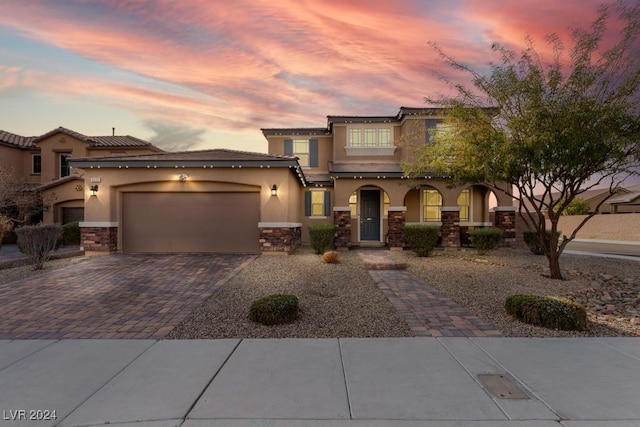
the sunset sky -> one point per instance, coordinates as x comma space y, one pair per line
197, 74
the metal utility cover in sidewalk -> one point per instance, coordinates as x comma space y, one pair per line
502, 387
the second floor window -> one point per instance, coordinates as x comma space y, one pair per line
370, 137
301, 151
36, 164
65, 168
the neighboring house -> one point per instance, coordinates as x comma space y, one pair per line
44, 161
623, 200
347, 173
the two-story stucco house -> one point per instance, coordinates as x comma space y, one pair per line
347, 173
44, 162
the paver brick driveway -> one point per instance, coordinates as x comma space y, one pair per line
113, 296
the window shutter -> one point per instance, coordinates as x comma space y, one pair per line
307, 203
327, 203
288, 147
430, 124
313, 153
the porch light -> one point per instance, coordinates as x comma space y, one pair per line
274, 190
183, 177
93, 190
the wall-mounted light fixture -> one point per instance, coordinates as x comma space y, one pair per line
274, 190
183, 177
93, 189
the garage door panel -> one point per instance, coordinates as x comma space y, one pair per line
191, 222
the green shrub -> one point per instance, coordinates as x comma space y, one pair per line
486, 238
38, 241
531, 240
321, 236
421, 238
71, 233
547, 311
5, 226
275, 309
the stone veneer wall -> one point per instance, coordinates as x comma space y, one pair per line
342, 221
506, 221
280, 239
99, 239
396, 220
450, 228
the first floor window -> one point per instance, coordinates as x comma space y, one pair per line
317, 203
65, 168
36, 164
353, 203
463, 203
432, 205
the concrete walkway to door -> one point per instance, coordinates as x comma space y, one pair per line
113, 296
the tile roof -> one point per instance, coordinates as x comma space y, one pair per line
93, 141
364, 167
625, 198
16, 140
56, 182
218, 154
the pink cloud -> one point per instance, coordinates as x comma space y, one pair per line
259, 63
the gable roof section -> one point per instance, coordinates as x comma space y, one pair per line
59, 181
215, 158
629, 198
99, 141
15, 140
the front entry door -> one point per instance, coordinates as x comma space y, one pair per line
370, 215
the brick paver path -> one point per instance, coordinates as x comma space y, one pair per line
429, 312
113, 296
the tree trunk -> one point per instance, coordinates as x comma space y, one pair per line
553, 252
554, 264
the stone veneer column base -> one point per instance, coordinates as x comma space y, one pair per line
342, 221
505, 219
450, 227
99, 239
279, 238
396, 220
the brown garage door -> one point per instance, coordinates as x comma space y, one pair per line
190, 222
72, 215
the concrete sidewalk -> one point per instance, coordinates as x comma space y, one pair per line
433, 382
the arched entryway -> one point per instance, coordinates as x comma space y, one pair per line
369, 207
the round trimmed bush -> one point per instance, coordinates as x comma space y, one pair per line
547, 311
421, 238
275, 309
486, 238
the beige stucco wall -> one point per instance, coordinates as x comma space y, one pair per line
14, 159
68, 194
106, 205
325, 149
603, 227
52, 147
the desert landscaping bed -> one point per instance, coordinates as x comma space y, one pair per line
342, 300
607, 287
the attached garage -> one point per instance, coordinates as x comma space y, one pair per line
190, 222
209, 201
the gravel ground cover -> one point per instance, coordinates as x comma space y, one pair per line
608, 288
336, 300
